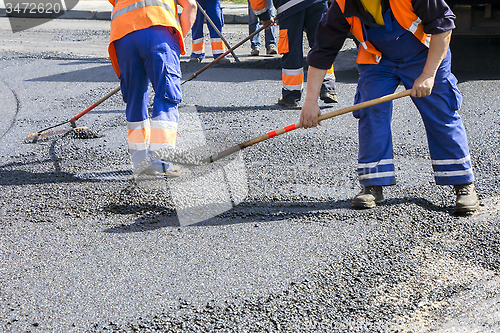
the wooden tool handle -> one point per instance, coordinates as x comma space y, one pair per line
289, 128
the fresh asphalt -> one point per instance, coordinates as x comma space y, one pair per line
83, 248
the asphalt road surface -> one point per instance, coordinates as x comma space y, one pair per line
83, 247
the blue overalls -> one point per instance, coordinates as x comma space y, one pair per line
403, 59
292, 62
150, 55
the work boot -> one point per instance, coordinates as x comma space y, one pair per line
328, 96
467, 201
368, 197
288, 102
271, 49
195, 59
173, 172
255, 52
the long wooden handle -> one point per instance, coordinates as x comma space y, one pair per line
289, 128
108, 95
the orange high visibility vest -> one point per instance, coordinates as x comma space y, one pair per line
404, 14
132, 15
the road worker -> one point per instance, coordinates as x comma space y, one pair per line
295, 17
401, 41
214, 11
146, 42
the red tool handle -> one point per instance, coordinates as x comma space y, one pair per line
289, 128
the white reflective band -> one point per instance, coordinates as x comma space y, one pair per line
158, 146
364, 45
451, 162
163, 124
330, 76
377, 175
414, 25
197, 41
297, 71
263, 10
141, 4
288, 5
377, 58
453, 173
199, 52
374, 164
427, 40
215, 40
134, 125
134, 146
292, 87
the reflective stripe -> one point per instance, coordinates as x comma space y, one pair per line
158, 146
453, 173
217, 47
135, 146
330, 77
141, 4
292, 78
414, 25
132, 125
198, 40
374, 164
427, 41
198, 47
261, 7
292, 87
297, 71
288, 5
139, 135
377, 175
164, 124
450, 162
364, 45
163, 136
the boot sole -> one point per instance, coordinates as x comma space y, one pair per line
363, 205
466, 209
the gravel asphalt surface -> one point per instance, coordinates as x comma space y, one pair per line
84, 248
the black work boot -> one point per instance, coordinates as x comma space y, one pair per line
328, 95
368, 197
467, 201
289, 103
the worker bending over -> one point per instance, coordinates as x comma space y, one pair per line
146, 42
294, 17
403, 41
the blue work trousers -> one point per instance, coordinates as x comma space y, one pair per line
253, 25
446, 136
145, 55
214, 11
292, 63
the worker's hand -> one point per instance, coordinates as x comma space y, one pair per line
423, 85
309, 114
271, 21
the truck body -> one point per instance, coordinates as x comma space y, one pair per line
476, 17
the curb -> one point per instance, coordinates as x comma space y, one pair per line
232, 15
